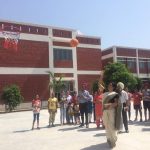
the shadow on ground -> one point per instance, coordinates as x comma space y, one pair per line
89, 129
22, 131
27, 130
102, 146
68, 129
146, 129
100, 134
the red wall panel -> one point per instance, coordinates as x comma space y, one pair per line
30, 85
89, 79
106, 61
63, 64
24, 28
30, 54
65, 44
86, 40
144, 53
62, 33
88, 59
126, 52
108, 51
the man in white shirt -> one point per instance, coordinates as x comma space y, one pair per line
123, 95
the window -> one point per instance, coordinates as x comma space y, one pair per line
142, 63
122, 60
131, 63
148, 63
62, 54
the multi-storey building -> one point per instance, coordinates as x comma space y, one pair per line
45, 48
137, 60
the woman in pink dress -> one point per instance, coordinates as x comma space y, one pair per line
98, 106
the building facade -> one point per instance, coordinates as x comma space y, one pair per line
45, 48
137, 60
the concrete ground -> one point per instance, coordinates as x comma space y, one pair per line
16, 134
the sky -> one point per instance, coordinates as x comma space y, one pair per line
116, 22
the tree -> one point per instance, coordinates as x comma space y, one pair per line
55, 85
139, 83
95, 86
12, 96
117, 72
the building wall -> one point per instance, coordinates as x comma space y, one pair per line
28, 66
106, 62
89, 79
126, 52
23, 28
144, 53
107, 52
107, 57
30, 85
137, 60
29, 54
63, 64
61, 33
88, 59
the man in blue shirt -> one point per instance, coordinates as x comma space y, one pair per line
83, 98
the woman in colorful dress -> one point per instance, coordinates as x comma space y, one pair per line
111, 114
98, 106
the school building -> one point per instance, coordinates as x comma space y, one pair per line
137, 60
45, 48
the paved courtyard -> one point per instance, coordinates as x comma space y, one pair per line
16, 134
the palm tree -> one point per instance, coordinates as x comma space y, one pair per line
55, 85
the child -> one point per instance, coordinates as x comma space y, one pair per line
76, 113
70, 113
36, 105
137, 97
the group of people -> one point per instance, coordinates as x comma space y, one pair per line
110, 108
137, 96
74, 108
116, 103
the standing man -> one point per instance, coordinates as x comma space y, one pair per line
90, 108
146, 101
123, 96
83, 98
129, 100
52, 109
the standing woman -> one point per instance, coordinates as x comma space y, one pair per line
69, 109
110, 103
52, 109
98, 105
63, 106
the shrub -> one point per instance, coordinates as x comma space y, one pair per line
12, 96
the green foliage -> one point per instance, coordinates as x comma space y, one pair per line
117, 72
55, 84
139, 83
95, 86
12, 96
